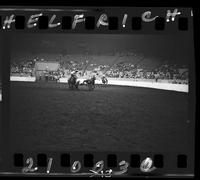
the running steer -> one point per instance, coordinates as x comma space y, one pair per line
90, 83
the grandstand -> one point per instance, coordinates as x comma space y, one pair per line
120, 58
117, 65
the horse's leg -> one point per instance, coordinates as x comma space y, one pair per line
69, 86
77, 84
89, 87
93, 86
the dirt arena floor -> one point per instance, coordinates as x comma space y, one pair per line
49, 116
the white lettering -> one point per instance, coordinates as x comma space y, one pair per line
32, 20
124, 20
103, 20
8, 21
51, 25
172, 14
77, 19
146, 17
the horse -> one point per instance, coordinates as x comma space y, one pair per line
73, 83
90, 83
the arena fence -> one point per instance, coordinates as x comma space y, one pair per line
19, 78
161, 84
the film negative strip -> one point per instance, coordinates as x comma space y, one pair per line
97, 91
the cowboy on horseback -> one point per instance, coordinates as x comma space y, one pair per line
72, 81
104, 79
74, 76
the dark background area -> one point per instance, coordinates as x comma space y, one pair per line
175, 48
49, 116
1, 49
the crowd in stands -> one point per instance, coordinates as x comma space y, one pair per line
23, 68
164, 70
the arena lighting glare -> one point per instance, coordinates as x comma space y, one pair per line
79, 18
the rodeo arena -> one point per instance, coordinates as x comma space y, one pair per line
96, 103
127, 70
96, 93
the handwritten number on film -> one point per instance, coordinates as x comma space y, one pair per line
29, 168
97, 170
